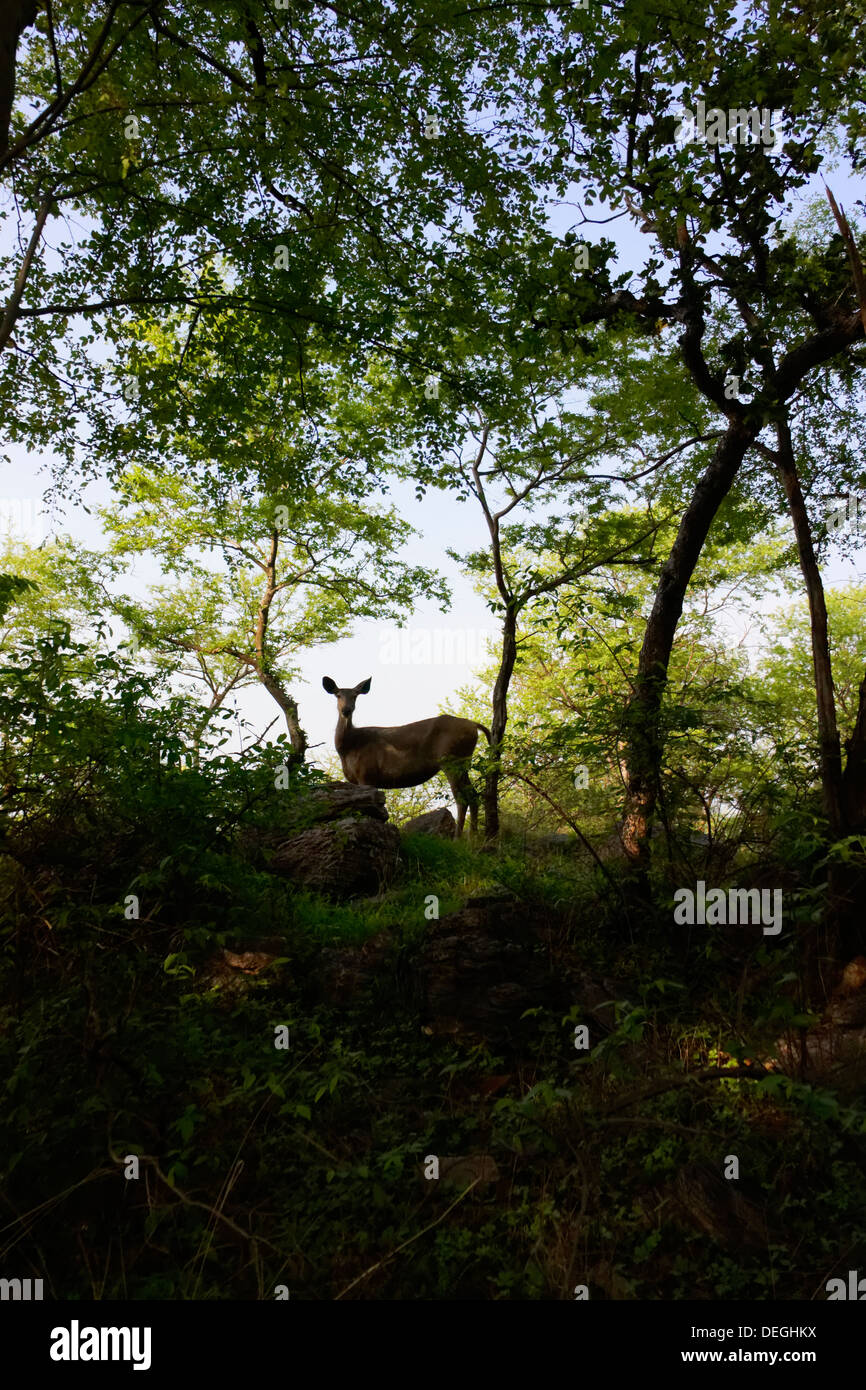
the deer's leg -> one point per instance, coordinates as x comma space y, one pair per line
470, 796
457, 783
465, 796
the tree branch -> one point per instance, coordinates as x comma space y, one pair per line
12, 308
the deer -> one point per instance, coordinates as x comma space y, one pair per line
405, 755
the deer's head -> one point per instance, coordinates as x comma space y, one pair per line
346, 698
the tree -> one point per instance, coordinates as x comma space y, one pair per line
541, 465
788, 665
55, 583
318, 158
297, 569
709, 207
567, 745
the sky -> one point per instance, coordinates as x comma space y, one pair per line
416, 671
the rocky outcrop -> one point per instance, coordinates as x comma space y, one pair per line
439, 822
334, 800
345, 973
340, 859
333, 839
481, 967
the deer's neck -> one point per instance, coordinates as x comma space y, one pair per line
345, 734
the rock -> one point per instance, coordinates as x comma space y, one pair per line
345, 972
559, 843
333, 838
847, 1004
319, 805
834, 1049
334, 800
481, 967
439, 822
468, 1169
340, 859
835, 1055
234, 973
252, 962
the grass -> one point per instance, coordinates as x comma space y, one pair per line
106, 1052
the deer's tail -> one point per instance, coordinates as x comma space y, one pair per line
485, 731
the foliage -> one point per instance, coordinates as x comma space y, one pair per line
117, 1041
263, 268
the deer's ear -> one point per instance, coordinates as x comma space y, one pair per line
364, 687
329, 685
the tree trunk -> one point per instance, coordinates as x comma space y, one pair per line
290, 710
265, 674
847, 879
499, 722
828, 729
854, 778
644, 752
15, 17
844, 794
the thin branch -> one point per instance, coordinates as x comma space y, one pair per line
857, 272
756, 1073
11, 312
184, 1197
385, 1258
52, 39
205, 57
662, 459
521, 777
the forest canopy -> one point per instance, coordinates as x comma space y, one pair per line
314, 320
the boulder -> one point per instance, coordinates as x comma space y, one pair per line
333, 838
340, 859
343, 973
481, 967
233, 974
439, 822
559, 843
334, 800
328, 801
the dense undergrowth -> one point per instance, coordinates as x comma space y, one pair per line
302, 1167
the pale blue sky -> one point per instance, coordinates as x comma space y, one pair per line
409, 682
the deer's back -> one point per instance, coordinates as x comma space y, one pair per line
405, 755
